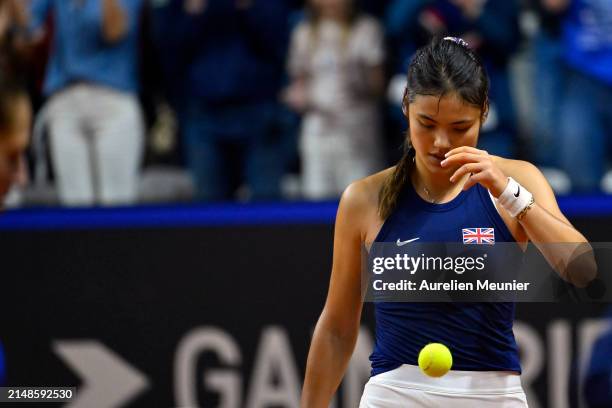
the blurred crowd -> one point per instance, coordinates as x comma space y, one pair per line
209, 100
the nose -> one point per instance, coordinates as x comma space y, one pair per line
441, 140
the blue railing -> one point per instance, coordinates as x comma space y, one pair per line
224, 215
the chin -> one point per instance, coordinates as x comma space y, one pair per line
433, 164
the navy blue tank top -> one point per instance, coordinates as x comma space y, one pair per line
479, 335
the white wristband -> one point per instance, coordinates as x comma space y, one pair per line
515, 197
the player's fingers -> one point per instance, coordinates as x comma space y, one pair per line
466, 168
466, 149
476, 178
462, 158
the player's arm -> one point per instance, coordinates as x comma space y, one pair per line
336, 331
564, 247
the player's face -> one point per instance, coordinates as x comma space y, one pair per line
438, 125
13, 143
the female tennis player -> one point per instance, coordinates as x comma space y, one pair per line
442, 184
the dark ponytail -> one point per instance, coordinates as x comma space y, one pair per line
446, 65
392, 187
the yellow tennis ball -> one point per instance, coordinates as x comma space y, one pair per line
435, 360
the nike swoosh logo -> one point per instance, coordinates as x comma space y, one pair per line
518, 191
400, 243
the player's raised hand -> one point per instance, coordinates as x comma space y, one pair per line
481, 166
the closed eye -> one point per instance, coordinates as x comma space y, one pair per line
426, 126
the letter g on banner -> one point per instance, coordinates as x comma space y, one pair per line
226, 382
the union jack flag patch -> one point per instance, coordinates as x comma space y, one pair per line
482, 236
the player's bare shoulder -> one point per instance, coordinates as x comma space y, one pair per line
361, 199
365, 192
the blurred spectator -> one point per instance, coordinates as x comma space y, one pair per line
337, 78
94, 117
586, 119
15, 120
18, 55
13, 20
223, 63
548, 81
490, 27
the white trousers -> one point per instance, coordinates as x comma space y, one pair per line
406, 386
96, 142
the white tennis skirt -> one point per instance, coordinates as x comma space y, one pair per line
407, 386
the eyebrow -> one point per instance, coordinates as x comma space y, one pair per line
457, 122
